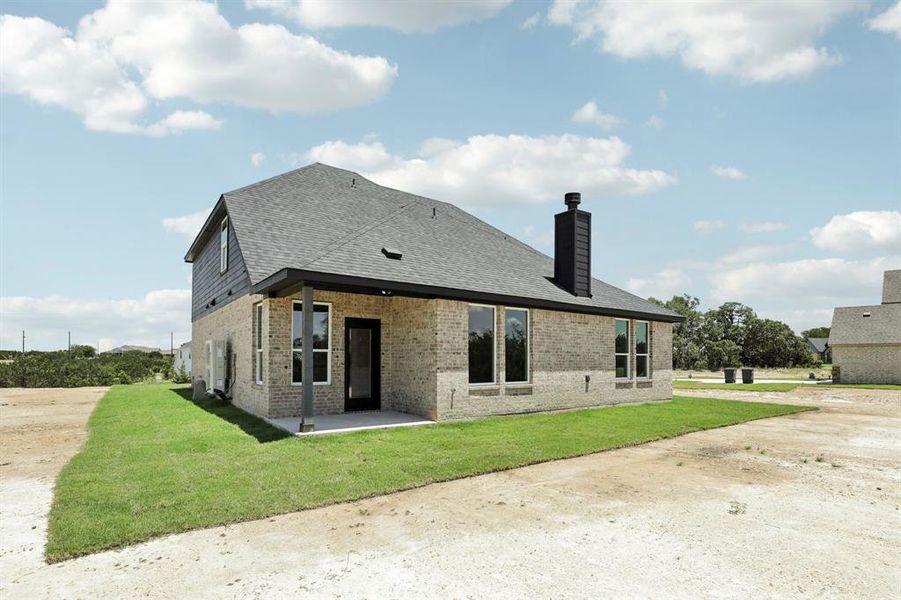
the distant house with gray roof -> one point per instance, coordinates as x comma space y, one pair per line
819, 347
318, 291
132, 348
866, 340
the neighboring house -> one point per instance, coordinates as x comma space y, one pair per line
409, 304
866, 340
819, 347
181, 360
131, 348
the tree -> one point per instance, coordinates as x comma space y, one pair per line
732, 318
770, 343
723, 353
816, 332
687, 341
82, 351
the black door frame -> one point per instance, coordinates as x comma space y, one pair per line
374, 402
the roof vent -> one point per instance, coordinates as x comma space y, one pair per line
392, 253
866, 314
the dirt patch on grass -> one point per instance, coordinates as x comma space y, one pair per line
741, 511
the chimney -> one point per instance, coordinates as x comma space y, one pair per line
572, 247
891, 287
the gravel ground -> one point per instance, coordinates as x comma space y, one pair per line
733, 512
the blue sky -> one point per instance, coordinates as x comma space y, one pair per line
745, 152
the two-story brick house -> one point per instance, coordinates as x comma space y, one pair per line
409, 304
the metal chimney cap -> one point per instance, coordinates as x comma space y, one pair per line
572, 200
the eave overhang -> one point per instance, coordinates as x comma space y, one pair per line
287, 281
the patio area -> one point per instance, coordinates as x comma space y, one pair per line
352, 421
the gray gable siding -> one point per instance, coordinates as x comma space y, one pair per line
207, 283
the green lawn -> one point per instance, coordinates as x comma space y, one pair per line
747, 387
775, 387
156, 462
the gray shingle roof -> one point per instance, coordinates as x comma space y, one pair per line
882, 326
328, 220
817, 344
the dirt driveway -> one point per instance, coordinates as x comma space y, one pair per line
799, 506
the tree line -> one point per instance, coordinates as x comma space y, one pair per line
80, 366
733, 336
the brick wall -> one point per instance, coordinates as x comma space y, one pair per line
868, 363
234, 324
407, 353
563, 349
424, 361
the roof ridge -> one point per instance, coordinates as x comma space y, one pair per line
268, 179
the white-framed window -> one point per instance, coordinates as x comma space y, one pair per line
621, 349
642, 349
322, 343
223, 245
516, 345
258, 342
482, 346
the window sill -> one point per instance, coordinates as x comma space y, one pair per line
315, 383
484, 390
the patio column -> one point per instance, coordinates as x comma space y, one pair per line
306, 418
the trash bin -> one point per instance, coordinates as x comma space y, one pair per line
730, 374
747, 375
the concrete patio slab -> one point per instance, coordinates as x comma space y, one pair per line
352, 421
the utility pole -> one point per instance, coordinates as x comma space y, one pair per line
171, 343
23, 342
70, 344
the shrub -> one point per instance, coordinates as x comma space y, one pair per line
57, 369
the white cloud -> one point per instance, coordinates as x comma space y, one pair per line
708, 226
126, 54
762, 227
409, 16
186, 225
183, 120
257, 158
800, 319
491, 170
654, 122
531, 22
859, 231
144, 321
753, 41
888, 21
663, 285
590, 113
751, 253
803, 282
727, 172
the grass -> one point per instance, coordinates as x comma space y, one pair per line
799, 373
156, 462
747, 387
775, 387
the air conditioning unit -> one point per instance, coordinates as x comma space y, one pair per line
219, 366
